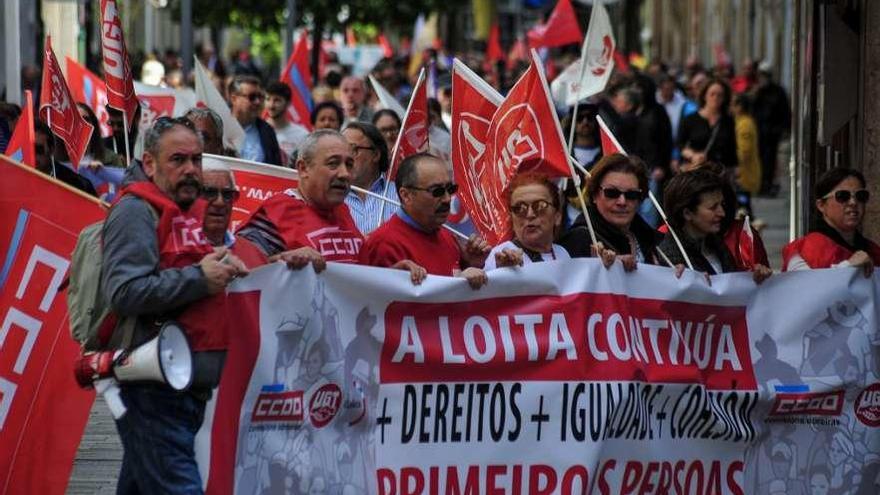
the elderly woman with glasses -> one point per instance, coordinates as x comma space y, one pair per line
534, 204
841, 198
616, 188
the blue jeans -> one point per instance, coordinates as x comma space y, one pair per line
158, 434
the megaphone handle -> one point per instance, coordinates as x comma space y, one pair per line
109, 389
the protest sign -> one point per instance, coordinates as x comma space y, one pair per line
558, 377
43, 412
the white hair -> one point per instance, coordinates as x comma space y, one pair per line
211, 164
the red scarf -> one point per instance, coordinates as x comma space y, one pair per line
182, 243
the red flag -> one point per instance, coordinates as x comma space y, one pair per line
524, 134
298, 77
387, 50
117, 70
87, 87
21, 144
43, 412
561, 28
609, 142
494, 52
413, 136
474, 103
519, 51
57, 108
746, 245
620, 62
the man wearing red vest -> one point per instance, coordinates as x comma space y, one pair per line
157, 265
415, 232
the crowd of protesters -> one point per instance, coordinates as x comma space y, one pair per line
702, 141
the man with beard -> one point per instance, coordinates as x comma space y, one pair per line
415, 233
289, 135
157, 265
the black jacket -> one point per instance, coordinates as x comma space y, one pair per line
692, 247
269, 142
576, 240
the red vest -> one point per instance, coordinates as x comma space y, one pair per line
182, 243
820, 251
332, 233
437, 252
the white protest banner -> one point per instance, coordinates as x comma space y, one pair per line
558, 377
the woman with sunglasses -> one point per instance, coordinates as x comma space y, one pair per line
695, 206
533, 202
841, 198
617, 187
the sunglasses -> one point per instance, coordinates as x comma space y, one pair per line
439, 190
253, 97
228, 194
522, 209
843, 196
614, 193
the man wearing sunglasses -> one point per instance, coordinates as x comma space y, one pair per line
157, 265
246, 99
415, 232
220, 193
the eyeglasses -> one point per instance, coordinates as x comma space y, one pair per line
614, 193
522, 209
439, 190
843, 196
228, 194
253, 97
357, 149
389, 131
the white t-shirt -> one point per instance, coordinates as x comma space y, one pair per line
558, 253
289, 138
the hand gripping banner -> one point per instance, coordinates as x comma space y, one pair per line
559, 377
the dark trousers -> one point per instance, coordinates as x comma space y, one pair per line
768, 148
158, 434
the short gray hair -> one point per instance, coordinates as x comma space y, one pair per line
309, 146
199, 113
160, 127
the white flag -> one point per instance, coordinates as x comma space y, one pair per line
207, 95
386, 99
577, 82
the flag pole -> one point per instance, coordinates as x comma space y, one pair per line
395, 203
651, 196
396, 150
125, 129
51, 156
574, 177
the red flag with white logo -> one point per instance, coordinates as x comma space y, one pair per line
21, 143
43, 412
59, 111
474, 102
413, 136
88, 88
561, 28
117, 69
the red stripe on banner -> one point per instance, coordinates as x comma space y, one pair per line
591, 337
240, 359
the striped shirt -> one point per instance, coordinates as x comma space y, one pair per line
366, 211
